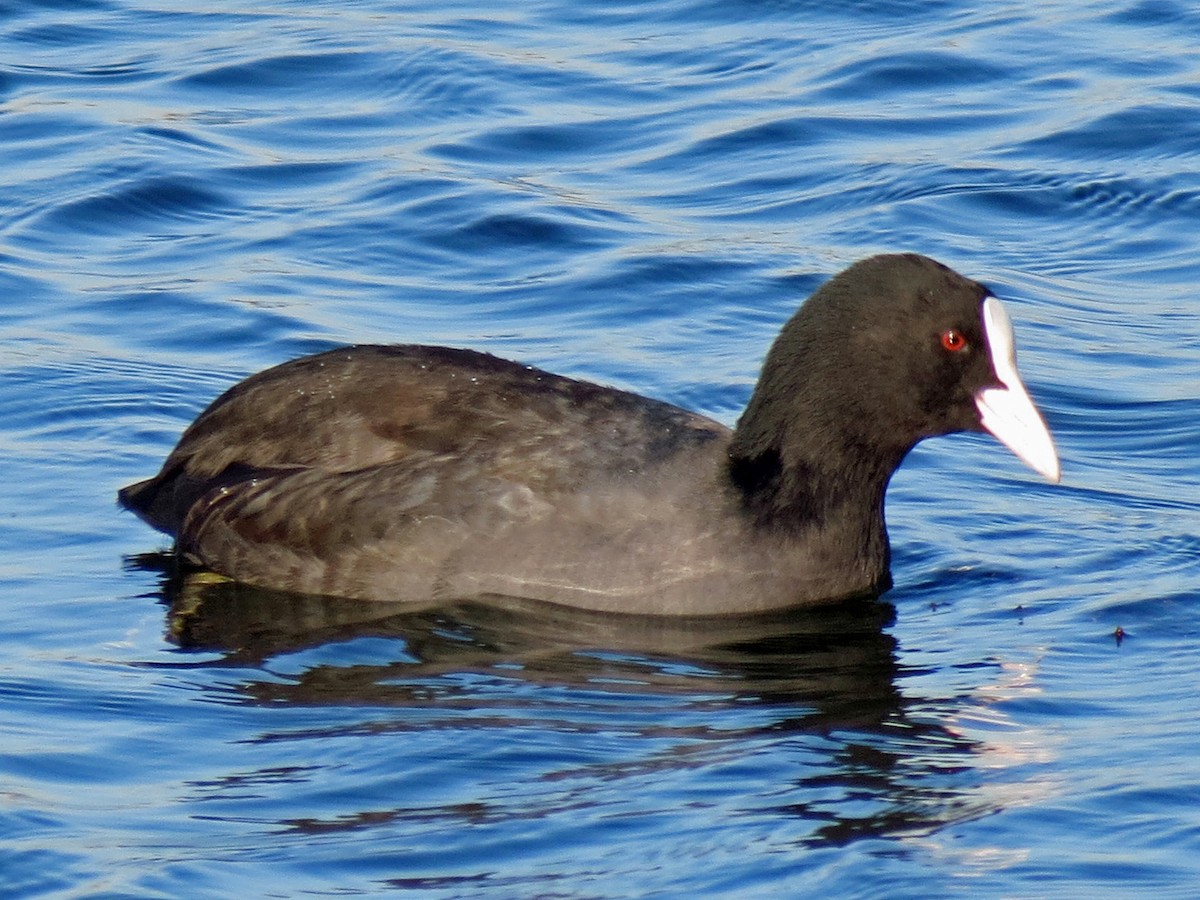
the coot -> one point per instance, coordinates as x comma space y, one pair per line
424, 473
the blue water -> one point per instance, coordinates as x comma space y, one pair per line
638, 193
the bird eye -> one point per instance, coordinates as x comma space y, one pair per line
953, 340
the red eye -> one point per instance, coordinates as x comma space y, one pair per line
954, 341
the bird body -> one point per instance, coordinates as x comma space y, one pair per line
415, 473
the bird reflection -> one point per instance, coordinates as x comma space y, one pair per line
829, 673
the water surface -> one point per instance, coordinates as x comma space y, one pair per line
638, 193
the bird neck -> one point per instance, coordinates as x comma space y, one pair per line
809, 472
796, 493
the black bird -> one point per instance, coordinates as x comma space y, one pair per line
424, 473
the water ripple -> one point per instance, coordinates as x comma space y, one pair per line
154, 201
1150, 133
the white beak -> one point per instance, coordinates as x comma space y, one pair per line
1007, 411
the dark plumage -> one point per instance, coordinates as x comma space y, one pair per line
418, 473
